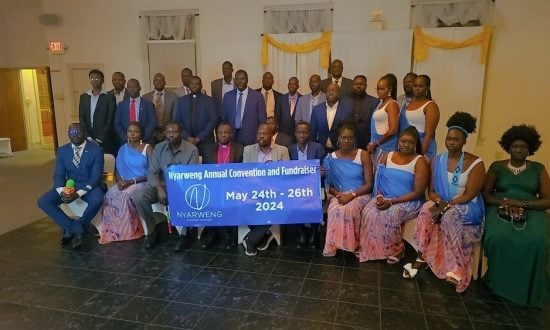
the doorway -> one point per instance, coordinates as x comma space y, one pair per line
28, 116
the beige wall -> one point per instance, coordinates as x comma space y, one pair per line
4, 61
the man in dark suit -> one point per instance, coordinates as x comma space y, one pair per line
96, 112
222, 152
219, 87
278, 137
326, 117
305, 149
135, 108
119, 87
363, 107
345, 84
164, 101
196, 114
82, 162
286, 106
271, 96
244, 109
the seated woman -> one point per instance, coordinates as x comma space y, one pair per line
423, 113
349, 178
516, 243
385, 119
399, 185
120, 218
451, 222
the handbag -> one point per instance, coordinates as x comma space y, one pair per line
502, 213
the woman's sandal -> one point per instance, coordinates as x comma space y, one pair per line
410, 272
453, 278
396, 258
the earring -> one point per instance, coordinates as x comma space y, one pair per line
338, 144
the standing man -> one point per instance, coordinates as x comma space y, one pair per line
219, 87
119, 90
305, 149
305, 104
278, 137
164, 101
244, 109
263, 151
82, 162
196, 114
270, 95
135, 108
345, 84
173, 151
326, 118
96, 112
286, 108
186, 75
405, 99
363, 107
223, 152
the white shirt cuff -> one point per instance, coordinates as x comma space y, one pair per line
81, 192
59, 190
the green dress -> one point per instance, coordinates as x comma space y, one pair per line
518, 260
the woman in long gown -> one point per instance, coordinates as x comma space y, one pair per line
451, 222
399, 185
516, 243
349, 178
120, 218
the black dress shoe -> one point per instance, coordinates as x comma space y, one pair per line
77, 241
182, 244
151, 240
65, 240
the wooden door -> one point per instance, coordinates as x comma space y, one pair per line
12, 118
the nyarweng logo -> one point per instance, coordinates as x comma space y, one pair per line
197, 196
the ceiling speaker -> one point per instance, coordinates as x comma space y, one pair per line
49, 19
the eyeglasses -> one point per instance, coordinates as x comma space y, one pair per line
73, 132
95, 79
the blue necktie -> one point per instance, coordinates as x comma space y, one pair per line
238, 120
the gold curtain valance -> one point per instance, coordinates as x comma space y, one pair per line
323, 44
422, 42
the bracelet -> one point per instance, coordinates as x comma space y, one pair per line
525, 204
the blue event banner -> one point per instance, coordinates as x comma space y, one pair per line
283, 192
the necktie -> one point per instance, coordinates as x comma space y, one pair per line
266, 96
76, 156
158, 107
337, 82
238, 119
133, 110
292, 105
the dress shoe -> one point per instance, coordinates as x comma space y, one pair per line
76, 242
151, 240
182, 244
65, 240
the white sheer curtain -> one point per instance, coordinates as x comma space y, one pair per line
457, 78
178, 27
298, 21
284, 65
373, 53
430, 13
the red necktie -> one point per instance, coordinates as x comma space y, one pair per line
133, 110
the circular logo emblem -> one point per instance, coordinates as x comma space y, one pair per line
197, 196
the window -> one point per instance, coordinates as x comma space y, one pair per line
310, 18
450, 13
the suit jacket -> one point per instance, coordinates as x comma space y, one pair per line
210, 154
168, 106
89, 173
103, 121
346, 86
217, 90
276, 96
319, 125
314, 151
283, 116
278, 153
254, 115
283, 139
112, 93
303, 110
205, 117
362, 114
146, 117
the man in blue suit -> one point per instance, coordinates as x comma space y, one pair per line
244, 109
82, 162
135, 108
327, 116
286, 108
196, 113
305, 149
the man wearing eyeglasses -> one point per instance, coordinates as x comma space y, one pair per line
81, 162
96, 111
